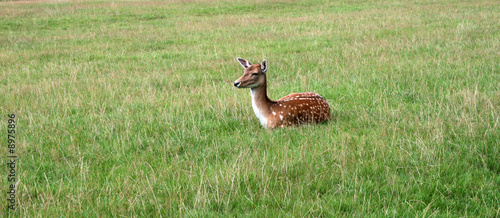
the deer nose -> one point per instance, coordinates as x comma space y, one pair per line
236, 84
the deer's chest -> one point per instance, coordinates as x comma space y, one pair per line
259, 112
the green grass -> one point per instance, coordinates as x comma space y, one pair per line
126, 108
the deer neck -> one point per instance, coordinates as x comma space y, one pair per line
261, 104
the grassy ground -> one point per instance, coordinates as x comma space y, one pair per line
127, 108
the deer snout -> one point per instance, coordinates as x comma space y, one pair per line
237, 84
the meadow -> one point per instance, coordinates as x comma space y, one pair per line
127, 108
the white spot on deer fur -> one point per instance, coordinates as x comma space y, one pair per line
281, 117
289, 113
274, 113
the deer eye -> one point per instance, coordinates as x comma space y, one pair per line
255, 74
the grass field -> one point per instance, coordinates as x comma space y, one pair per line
126, 108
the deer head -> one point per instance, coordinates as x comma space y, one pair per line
254, 75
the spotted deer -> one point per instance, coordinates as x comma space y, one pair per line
293, 109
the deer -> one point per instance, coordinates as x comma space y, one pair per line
291, 110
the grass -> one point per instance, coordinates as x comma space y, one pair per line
126, 108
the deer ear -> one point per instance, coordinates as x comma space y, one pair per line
263, 66
244, 63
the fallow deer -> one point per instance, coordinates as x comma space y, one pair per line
293, 109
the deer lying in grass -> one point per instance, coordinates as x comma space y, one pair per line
293, 109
